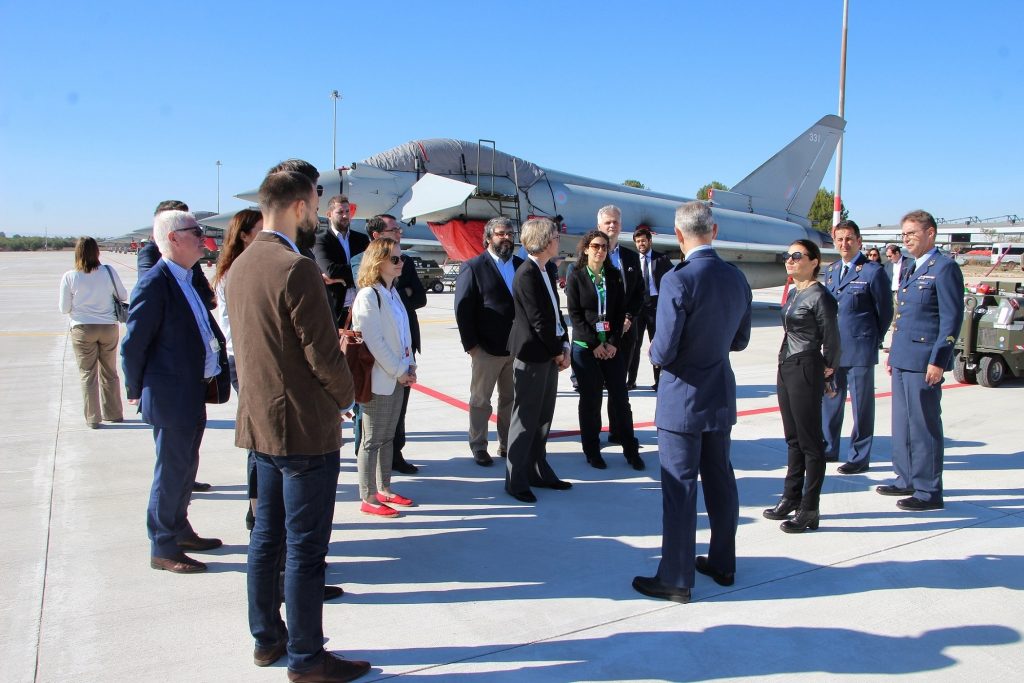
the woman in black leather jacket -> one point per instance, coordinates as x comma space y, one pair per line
808, 357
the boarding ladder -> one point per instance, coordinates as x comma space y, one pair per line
502, 204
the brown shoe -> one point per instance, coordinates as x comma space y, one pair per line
199, 543
179, 564
331, 668
267, 656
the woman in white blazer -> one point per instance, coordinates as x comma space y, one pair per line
378, 312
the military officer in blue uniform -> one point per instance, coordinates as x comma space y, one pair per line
929, 312
864, 294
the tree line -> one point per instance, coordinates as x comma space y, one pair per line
35, 243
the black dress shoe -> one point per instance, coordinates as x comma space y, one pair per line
804, 519
853, 468
630, 386
482, 458
179, 564
831, 458
614, 438
889, 490
597, 462
502, 452
201, 486
403, 467
917, 505
652, 588
524, 496
200, 544
721, 578
781, 509
636, 462
267, 656
333, 592
557, 485
330, 669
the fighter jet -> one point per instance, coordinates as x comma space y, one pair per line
447, 189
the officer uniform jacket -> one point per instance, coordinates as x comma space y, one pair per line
929, 312
865, 309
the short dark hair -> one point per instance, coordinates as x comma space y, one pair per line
281, 189
642, 231
297, 166
848, 225
335, 200
170, 205
813, 252
386, 215
922, 218
375, 224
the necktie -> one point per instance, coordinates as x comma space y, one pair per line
647, 276
909, 271
846, 269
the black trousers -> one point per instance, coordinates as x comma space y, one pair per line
801, 385
643, 322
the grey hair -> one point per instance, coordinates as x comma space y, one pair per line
167, 222
537, 234
609, 210
494, 224
694, 219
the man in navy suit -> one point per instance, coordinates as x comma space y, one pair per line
149, 254
334, 248
172, 352
653, 266
484, 312
929, 312
864, 295
609, 221
703, 314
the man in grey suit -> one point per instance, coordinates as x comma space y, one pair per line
703, 314
484, 312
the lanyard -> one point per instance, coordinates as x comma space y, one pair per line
599, 287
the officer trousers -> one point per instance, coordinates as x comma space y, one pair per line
859, 381
917, 445
801, 385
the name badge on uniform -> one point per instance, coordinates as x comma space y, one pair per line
602, 326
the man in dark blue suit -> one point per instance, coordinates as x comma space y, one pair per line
929, 312
703, 314
174, 359
149, 255
863, 292
484, 312
653, 266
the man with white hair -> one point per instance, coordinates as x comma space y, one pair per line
174, 361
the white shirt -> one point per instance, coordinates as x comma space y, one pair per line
896, 268
647, 263
350, 293
89, 297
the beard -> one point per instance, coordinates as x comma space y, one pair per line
305, 233
503, 249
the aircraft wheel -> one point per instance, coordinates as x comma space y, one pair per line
991, 371
960, 372
437, 287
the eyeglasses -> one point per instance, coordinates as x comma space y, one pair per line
196, 230
597, 246
908, 235
395, 260
319, 190
502, 234
397, 229
795, 256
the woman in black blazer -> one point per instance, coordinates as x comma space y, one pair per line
597, 308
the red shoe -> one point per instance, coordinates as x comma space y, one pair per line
394, 499
378, 510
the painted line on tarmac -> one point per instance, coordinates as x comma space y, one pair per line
462, 405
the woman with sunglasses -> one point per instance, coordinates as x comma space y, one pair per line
874, 255
809, 356
378, 312
597, 307
242, 231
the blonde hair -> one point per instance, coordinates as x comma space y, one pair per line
373, 259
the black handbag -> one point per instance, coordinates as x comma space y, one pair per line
120, 307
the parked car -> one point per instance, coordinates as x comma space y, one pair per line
430, 274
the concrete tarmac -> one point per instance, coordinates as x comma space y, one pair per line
472, 585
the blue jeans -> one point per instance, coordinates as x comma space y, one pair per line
295, 510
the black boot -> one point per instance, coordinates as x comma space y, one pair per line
805, 519
781, 509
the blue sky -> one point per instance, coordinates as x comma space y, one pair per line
108, 108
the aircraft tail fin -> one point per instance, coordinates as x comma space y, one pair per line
785, 186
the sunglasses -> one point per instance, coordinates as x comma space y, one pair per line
395, 260
319, 190
597, 246
195, 230
796, 256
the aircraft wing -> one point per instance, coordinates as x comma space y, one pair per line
433, 193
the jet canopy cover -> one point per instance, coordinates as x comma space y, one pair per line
458, 158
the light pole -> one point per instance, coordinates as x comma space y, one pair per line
837, 207
335, 95
218, 185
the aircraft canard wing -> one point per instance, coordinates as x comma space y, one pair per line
433, 194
